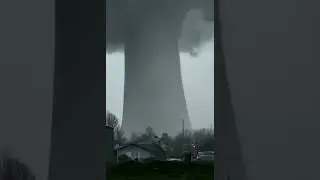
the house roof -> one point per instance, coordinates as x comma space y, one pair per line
151, 147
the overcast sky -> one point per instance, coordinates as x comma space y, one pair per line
197, 76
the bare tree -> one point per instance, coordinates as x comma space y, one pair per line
112, 120
201, 140
134, 137
119, 135
149, 132
13, 169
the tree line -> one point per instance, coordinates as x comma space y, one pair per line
196, 140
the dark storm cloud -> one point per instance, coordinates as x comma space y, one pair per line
194, 17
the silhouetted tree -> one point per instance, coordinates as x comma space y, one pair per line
202, 139
149, 132
112, 120
166, 139
134, 136
208, 143
166, 142
13, 169
119, 135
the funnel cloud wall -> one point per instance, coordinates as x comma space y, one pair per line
153, 92
152, 34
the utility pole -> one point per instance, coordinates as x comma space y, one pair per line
183, 140
183, 128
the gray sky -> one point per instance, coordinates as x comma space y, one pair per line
197, 76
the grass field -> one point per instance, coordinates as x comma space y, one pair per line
161, 171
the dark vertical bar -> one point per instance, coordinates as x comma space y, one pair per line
228, 161
79, 113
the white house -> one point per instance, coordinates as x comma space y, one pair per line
135, 152
142, 150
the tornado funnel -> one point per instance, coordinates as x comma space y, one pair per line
153, 90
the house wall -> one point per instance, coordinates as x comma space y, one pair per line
135, 152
